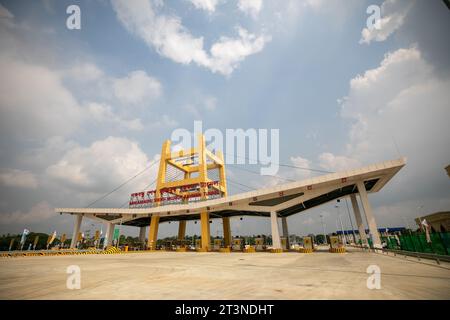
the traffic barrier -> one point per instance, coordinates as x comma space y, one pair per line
305, 250
338, 250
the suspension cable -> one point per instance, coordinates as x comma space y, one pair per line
124, 183
281, 164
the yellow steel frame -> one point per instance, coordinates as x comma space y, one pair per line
174, 159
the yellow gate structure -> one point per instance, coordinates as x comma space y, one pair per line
195, 185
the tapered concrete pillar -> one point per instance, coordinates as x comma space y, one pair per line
276, 242
359, 221
153, 232
285, 231
181, 229
142, 234
76, 230
226, 231
204, 220
373, 229
108, 235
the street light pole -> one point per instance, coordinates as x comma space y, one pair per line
323, 226
342, 226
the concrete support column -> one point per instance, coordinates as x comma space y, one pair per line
204, 220
76, 230
181, 229
108, 235
359, 221
226, 231
153, 232
142, 234
285, 231
373, 229
276, 242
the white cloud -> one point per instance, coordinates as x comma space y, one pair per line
393, 13
136, 88
330, 162
250, 7
172, 40
101, 166
207, 5
39, 212
33, 101
301, 163
102, 113
227, 53
18, 178
85, 72
402, 103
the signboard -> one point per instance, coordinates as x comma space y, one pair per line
116, 234
97, 235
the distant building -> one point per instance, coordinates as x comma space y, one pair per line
439, 221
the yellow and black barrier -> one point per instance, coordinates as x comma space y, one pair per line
338, 250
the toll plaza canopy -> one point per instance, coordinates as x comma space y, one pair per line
282, 200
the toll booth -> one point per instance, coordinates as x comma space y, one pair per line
237, 244
334, 242
217, 244
259, 244
335, 245
308, 243
198, 244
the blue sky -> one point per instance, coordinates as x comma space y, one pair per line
82, 110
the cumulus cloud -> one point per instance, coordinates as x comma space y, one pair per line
207, 5
100, 166
250, 7
171, 39
401, 108
35, 106
301, 163
331, 162
103, 114
39, 212
18, 178
86, 72
393, 13
136, 88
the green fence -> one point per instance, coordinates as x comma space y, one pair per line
440, 243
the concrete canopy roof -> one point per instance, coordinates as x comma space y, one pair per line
285, 199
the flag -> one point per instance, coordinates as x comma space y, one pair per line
36, 239
11, 244
51, 238
24, 236
63, 238
427, 230
97, 235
